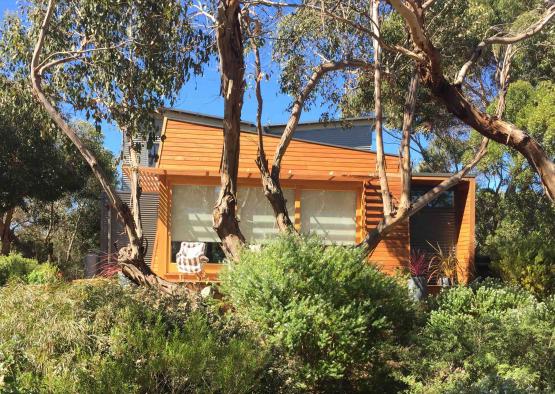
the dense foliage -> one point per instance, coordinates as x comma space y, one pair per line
297, 316
64, 230
515, 222
488, 339
520, 239
33, 162
336, 321
14, 267
97, 337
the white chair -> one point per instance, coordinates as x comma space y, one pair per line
191, 258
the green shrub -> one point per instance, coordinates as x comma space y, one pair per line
43, 274
528, 266
334, 320
488, 339
97, 337
520, 243
15, 266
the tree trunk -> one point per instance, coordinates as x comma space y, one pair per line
380, 155
274, 194
270, 179
270, 182
405, 209
405, 166
72, 238
385, 227
138, 248
133, 264
232, 69
6, 232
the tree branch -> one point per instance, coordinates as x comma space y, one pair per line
532, 30
427, 4
504, 39
452, 98
43, 66
298, 104
383, 44
130, 259
383, 228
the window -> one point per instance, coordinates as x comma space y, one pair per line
256, 215
191, 219
330, 214
153, 154
445, 200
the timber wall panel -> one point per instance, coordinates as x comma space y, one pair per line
393, 252
465, 208
189, 146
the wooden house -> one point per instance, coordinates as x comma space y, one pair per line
331, 189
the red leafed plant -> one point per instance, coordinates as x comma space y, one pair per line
417, 263
108, 265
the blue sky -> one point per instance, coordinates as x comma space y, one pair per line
202, 94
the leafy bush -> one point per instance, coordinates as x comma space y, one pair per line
26, 270
334, 319
525, 258
519, 238
44, 273
15, 266
97, 337
488, 339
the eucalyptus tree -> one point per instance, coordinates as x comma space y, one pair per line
115, 61
456, 28
238, 26
454, 98
229, 39
304, 77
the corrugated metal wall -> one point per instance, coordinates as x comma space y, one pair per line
112, 234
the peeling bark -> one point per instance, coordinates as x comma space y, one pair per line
232, 69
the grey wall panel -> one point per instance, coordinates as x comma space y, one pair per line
359, 137
112, 241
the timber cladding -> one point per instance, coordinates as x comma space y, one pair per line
190, 153
188, 146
